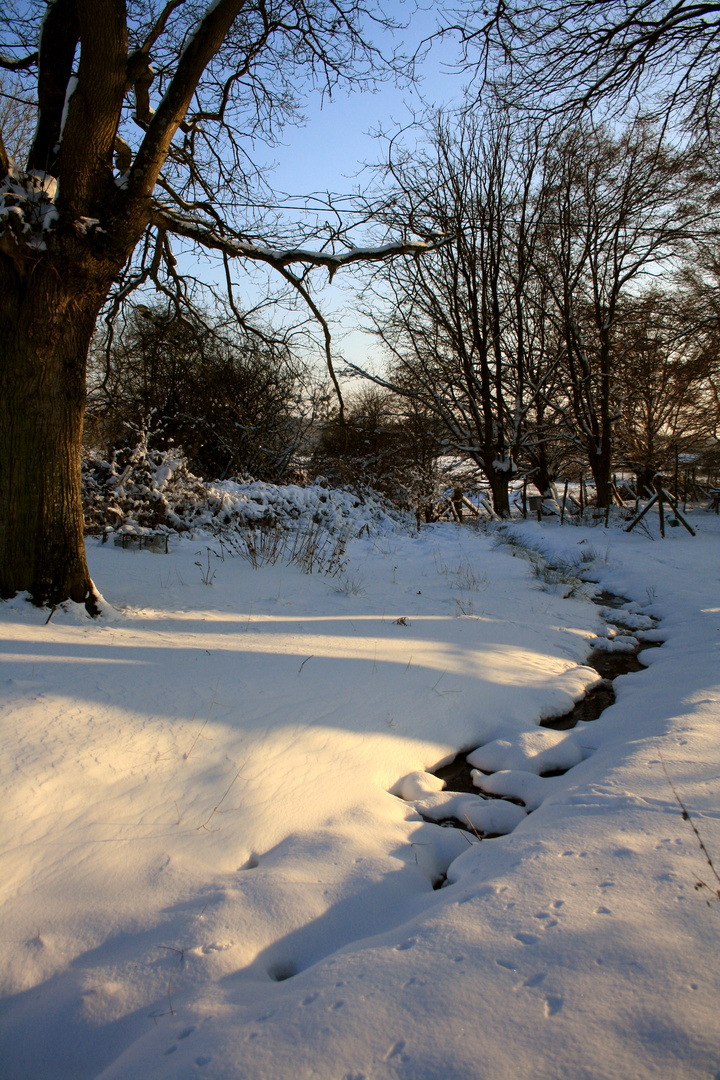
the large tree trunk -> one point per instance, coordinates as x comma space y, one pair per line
601, 466
499, 481
46, 322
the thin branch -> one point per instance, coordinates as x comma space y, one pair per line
686, 817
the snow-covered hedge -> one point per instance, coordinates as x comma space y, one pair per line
292, 506
145, 490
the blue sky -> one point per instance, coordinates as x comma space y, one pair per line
329, 151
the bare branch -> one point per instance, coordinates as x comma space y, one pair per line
199, 51
304, 292
158, 28
4, 159
21, 64
85, 156
58, 42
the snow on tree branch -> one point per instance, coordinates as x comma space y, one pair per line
21, 64
234, 246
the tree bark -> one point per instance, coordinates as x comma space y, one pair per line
46, 322
500, 488
601, 467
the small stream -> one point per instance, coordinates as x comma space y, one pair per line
609, 664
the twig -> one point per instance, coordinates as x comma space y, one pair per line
700, 884
181, 960
216, 809
305, 662
474, 831
213, 702
172, 948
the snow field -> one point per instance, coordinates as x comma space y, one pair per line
205, 872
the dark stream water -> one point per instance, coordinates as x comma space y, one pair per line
608, 664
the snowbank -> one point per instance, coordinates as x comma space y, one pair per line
220, 849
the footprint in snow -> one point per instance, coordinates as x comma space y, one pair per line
526, 939
396, 1050
553, 1005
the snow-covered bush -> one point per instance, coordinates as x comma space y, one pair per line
141, 490
146, 490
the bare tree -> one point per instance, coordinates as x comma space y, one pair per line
615, 210
698, 313
462, 333
663, 386
582, 52
147, 115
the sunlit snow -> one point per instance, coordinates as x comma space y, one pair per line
220, 849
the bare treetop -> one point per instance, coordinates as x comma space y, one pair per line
183, 87
584, 51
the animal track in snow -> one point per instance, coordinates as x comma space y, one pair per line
553, 1005
396, 1051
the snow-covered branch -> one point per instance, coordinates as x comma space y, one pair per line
21, 64
234, 246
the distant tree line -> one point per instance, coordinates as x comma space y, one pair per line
571, 325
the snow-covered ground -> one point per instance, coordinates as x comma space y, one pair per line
214, 863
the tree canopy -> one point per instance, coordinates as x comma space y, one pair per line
148, 115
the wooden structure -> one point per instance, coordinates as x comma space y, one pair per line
660, 497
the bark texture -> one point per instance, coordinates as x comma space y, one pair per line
46, 321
